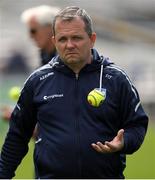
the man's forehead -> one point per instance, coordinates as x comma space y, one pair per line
70, 20
33, 21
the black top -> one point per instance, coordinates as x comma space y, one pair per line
45, 57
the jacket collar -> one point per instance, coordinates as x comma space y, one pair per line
97, 61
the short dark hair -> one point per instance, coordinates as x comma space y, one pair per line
72, 12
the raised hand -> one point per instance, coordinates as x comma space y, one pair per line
113, 146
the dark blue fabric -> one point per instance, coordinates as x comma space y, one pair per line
45, 57
68, 124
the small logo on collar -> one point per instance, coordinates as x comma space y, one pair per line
46, 76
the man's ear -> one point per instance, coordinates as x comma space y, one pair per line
93, 39
53, 40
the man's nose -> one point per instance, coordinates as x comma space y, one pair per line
70, 44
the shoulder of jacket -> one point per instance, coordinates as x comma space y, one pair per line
115, 71
39, 73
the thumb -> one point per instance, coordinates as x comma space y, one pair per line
120, 134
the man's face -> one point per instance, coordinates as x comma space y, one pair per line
72, 42
40, 34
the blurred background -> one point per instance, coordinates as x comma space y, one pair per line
125, 33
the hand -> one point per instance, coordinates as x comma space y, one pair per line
5, 112
113, 146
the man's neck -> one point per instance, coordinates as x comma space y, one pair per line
76, 68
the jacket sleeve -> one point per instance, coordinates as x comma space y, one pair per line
134, 120
22, 123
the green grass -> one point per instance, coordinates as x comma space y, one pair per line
26, 168
141, 164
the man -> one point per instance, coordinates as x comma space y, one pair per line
75, 140
39, 23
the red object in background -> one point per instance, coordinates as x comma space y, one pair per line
6, 113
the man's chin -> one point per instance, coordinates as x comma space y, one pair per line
72, 61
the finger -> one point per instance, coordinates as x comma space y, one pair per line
111, 146
103, 147
120, 133
114, 146
96, 147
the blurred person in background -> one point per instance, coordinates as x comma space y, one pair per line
76, 139
39, 24
38, 21
16, 62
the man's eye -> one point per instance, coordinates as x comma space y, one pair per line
62, 39
77, 38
